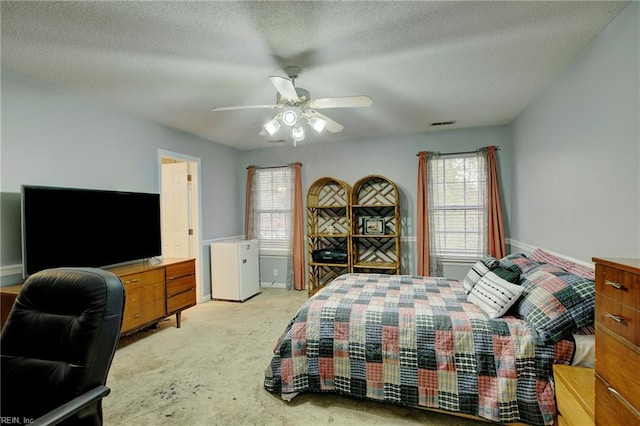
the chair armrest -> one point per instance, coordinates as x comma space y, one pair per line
59, 414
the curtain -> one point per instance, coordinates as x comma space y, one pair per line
298, 230
434, 225
423, 219
495, 226
248, 229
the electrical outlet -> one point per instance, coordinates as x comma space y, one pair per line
275, 272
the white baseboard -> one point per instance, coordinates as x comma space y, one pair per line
266, 284
11, 270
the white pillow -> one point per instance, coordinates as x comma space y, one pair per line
476, 272
494, 295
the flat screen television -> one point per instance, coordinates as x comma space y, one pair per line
87, 227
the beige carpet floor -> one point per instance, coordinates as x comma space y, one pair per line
211, 371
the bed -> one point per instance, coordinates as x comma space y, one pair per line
419, 341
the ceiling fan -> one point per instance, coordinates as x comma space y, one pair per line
296, 107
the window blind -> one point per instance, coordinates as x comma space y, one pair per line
274, 196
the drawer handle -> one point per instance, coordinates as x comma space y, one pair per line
615, 285
137, 316
616, 318
624, 402
178, 277
132, 281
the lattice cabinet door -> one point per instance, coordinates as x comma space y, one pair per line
375, 226
328, 229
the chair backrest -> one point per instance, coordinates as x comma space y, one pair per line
59, 341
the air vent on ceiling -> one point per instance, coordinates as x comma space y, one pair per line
443, 123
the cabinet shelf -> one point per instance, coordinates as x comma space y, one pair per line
328, 228
366, 206
375, 196
376, 265
374, 236
342, 265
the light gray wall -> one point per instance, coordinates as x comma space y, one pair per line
50, 137
576, 152
393, 157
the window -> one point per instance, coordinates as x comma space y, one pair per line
274, 203
457, 206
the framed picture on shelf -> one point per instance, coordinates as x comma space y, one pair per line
373, 225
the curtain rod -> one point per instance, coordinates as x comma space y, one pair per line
272, 167
462, 152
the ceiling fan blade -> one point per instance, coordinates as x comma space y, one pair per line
231, 108
285, 87
332, 126
341, 102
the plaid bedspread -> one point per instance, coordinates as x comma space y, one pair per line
416, 341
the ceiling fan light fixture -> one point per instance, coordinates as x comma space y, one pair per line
317, 124
272, 126
289, 117
297, 133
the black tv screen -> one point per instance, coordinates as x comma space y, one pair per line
87, 228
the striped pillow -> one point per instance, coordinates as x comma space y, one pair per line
494, 295
476, 272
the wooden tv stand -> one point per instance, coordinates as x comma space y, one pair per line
154, 290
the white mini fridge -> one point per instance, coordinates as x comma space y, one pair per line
234, 270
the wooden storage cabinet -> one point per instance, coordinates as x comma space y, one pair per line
8, 296
574, 395
617, 341
155, 291
152, 292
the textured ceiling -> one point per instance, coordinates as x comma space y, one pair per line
478, 63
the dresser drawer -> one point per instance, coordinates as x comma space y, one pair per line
574, 395
611, 408
143, 304
618, 365
181, 301
619, 285
143, 278
618, 317
181, 269
179, 285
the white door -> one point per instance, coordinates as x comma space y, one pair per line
175, 210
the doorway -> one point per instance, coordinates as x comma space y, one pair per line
179, 177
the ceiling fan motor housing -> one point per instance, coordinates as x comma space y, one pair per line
303, 95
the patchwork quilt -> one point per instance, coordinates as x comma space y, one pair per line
416, 341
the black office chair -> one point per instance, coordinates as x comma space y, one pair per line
57, 346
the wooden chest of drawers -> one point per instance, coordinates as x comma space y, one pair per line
574, 395
153, 291
156, 290
617, 341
